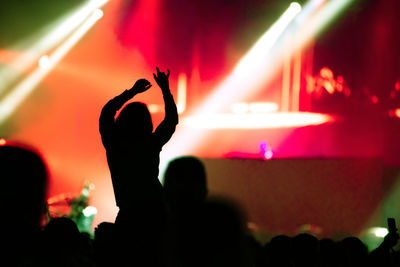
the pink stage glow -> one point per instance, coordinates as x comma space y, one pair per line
256, 121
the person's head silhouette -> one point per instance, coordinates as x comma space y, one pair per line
134, 120
24, 181
185, 182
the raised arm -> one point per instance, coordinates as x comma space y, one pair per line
106, 121
167, 127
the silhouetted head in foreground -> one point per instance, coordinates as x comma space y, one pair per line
134, 120
185, 182
305, 250
278, 252
353, 251
62, 232
24, 183
221, 235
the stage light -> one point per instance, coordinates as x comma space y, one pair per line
254, 107
380, 231
181, 92
98, 13
259, 52
89, 211
44, 62
255, 121
11, 101
258, 64
314, 24
296, 7
48, 38
239, 108
373, 237
268, 154
248, 76
3, 142
266, 151
251, 71
263, 107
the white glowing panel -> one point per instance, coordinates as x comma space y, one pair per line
181, 92
254, 107
263, 107
256, 121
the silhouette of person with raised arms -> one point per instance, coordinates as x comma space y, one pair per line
131, 145
133, 155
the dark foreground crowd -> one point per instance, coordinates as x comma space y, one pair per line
174, 224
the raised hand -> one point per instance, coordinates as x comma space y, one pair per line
162, 79
141, 85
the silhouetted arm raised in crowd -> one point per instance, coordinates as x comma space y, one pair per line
106, 121
166, 128
383, 255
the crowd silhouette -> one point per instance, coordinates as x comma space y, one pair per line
174, 224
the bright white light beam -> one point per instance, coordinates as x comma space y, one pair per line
11, 101
237, 84
47, 39
317, 23
246, 76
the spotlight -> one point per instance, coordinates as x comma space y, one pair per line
251, 72
42, 42
255, 120
380, 231
44, 62
181, 92
11, 101
296, 7
266, 151
3, 142
98, 13
89, 211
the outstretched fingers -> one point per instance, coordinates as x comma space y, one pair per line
161, 73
